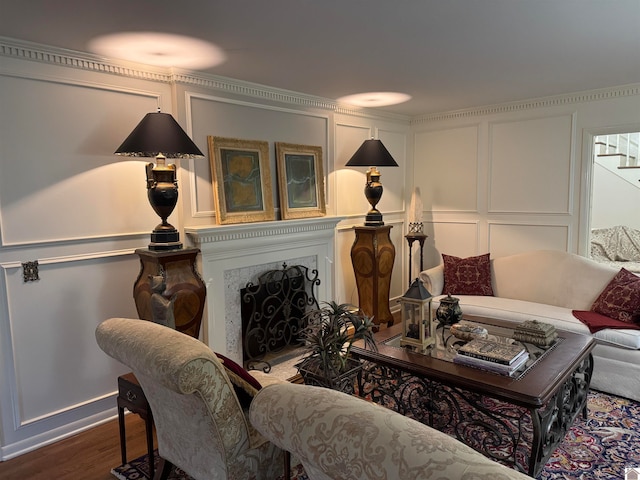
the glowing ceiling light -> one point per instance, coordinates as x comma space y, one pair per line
375, 99
160, 49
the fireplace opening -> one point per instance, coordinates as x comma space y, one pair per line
273, 314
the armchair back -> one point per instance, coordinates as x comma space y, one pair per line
200, 424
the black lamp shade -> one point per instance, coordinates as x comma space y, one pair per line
158, 133
372, 153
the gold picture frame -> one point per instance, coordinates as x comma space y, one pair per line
241, 180
300, 180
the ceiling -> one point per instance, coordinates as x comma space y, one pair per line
446, 54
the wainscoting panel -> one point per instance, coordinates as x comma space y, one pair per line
56, 373
458, 238
346, 289
531, 165
228, 118
350, 181
510, 238
446, 169
393, 178
59, 178
49, 379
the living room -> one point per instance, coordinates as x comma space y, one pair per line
500, 177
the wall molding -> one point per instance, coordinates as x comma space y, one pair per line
530, 104
35, 52
23, 50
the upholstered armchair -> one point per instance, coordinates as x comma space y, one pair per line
200, 424
338, 436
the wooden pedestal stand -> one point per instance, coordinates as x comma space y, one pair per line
372, 255
182, 283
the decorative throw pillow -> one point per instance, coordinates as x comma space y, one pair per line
467, 276
244, 384
620, 299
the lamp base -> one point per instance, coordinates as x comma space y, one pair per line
373, 219
165, 240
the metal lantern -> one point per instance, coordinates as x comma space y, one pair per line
417, 330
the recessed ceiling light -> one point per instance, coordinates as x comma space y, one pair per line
160, 49
375, 99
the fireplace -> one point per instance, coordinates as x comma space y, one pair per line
234, 255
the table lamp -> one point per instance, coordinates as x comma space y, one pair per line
159, 135
372, 153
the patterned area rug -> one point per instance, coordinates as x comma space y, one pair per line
599, 448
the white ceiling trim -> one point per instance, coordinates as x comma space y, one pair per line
56, 56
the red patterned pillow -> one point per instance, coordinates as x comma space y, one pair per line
467, 276
244, 384
620, 299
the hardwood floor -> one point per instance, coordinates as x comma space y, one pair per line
88, 455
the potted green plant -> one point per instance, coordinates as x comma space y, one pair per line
329, 335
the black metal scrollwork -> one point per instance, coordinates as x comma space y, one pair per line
273, 311
516, 436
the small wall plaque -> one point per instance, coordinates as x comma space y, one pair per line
30, 271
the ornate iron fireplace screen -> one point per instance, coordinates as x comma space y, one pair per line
273, 312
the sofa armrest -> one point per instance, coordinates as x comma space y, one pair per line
433, 279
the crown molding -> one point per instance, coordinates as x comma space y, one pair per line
273, 94
34, 52
551, 101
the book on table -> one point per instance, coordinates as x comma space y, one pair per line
494, 367
492, 351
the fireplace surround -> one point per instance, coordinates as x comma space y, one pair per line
233, 255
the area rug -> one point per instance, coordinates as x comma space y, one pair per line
598, 448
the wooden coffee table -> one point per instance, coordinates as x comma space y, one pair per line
517, 421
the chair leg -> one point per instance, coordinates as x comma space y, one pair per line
164, 469
287, 465
123, 435
149, 431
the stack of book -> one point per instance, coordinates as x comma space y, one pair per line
501, 358
538, 333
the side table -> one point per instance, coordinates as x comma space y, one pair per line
131, 397
412, 237
372, 255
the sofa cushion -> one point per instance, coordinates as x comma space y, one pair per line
620, 299
467, 276
560, 317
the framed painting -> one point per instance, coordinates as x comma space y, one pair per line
241, 180
300, 180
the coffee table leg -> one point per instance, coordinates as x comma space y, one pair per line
551, 423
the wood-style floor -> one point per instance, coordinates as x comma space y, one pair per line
89, 455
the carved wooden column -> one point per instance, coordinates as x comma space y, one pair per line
372, 255
182, 284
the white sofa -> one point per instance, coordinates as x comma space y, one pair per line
547, 285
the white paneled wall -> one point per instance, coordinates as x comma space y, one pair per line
67, 202
509, 179
530, 164
446, 169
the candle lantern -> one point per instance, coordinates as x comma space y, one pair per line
417, 328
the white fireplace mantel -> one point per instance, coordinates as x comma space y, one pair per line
229, 250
